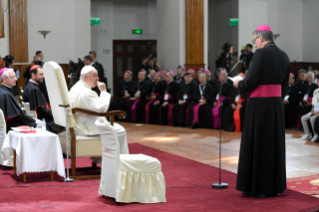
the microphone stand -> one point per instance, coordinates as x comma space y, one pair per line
221, 185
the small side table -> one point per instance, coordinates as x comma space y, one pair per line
35, 152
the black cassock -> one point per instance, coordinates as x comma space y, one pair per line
33, 95
119, 102
180, 110
196, 111
262, 165
226, 92
163, 115
158, 90
228, 115
292, 109
135, 109
12, 111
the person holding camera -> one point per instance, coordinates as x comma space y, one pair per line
246, 56
149, 64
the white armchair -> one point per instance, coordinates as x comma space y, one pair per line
128, 177
7, 153
29, 112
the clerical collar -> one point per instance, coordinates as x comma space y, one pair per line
7, 86
203, 84
33, 81
270, 44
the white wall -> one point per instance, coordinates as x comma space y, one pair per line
4, 42
69, 23
171, 33
283, 16
118, 19
220, 11
310, 33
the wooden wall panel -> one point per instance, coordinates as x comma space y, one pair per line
18, 30
194, 13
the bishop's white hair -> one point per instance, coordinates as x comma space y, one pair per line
5, 74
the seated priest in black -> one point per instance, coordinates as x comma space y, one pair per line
201, 97
180, 109
209, 78
291, 100
233, 115
95, 64
211, 114
150, 76
170, 98
125, 89
37, 101
10, 107
157, 89
179, 77
88, 61
135, 107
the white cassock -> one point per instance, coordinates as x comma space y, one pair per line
82, 96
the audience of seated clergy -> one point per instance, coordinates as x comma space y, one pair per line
124, 91
156, 94
211, 114
184, 99
135, 107
291, 100
179, 74
82, 96
170, 96
233, 115
37, 101
98, 65
201, 97
305, 101
10, 107
311, 116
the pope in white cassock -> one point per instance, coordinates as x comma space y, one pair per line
82, 96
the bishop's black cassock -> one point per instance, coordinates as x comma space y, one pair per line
33, 95
156, 89
181, 110
119, 102
262, 165
12, 111
196, 111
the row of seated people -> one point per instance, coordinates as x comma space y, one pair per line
297, 101
181, 100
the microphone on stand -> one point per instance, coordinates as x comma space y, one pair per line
221, 185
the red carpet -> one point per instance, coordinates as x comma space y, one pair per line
188, 189
307, 184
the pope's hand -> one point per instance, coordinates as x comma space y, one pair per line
101, 86
236, 83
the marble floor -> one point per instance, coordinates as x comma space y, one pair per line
302, 157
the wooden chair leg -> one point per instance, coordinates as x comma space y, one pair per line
52, 175
24, 177
14, 162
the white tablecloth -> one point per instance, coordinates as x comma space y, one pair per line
36, 152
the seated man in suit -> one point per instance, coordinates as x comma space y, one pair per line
10, 107
82, 96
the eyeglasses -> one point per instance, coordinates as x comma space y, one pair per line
254, 40
14, 77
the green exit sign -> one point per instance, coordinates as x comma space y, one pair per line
95, 21
233, 22
137, 31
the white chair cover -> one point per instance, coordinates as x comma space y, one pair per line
128, 177
29, 112
7, 153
